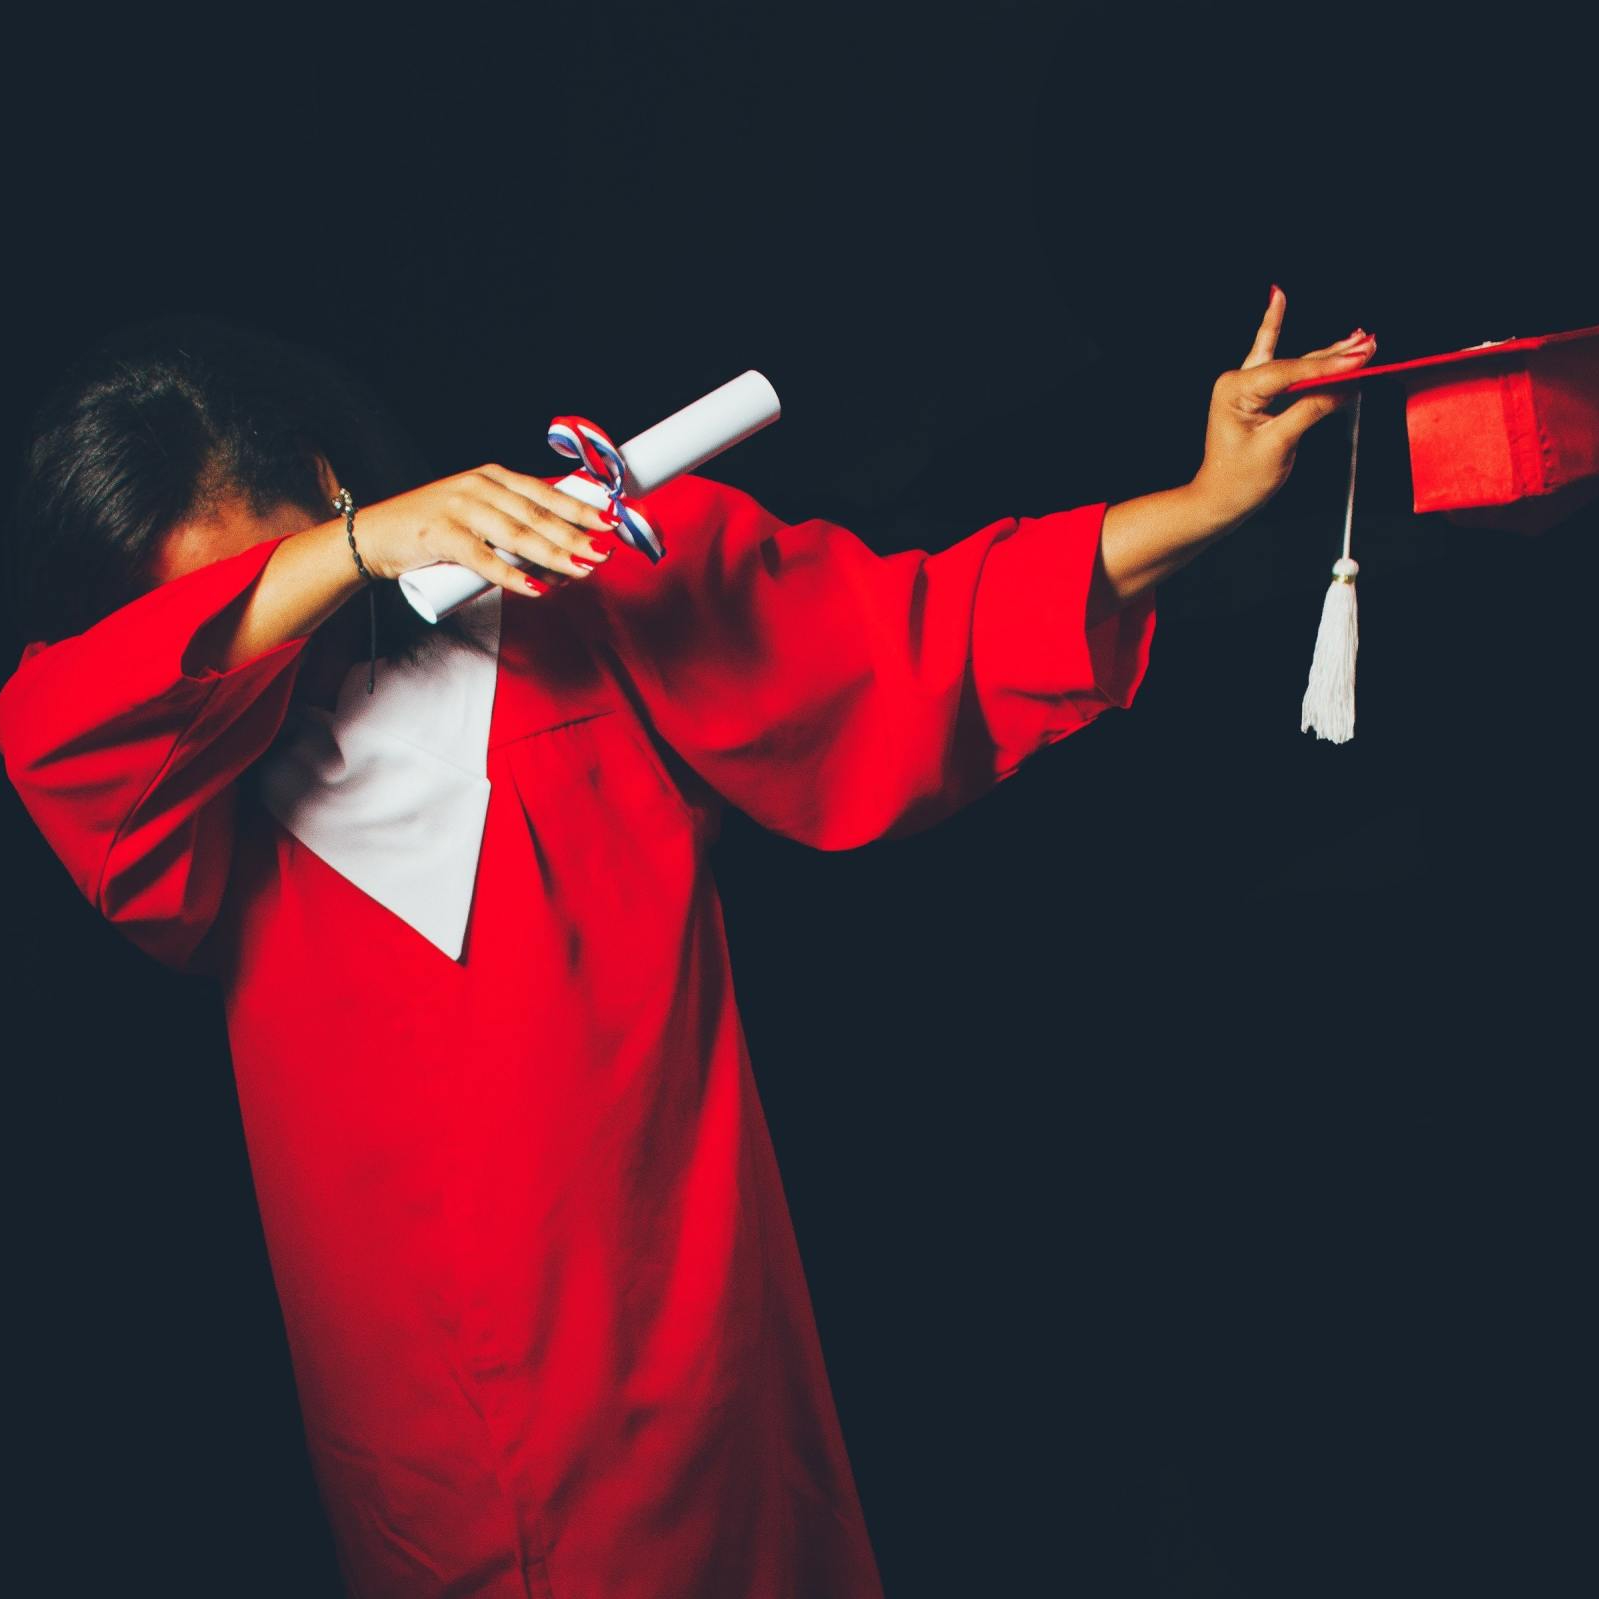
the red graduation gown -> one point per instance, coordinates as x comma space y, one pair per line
548, 1321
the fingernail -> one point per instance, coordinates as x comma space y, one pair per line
1271, 295
533, 583
583, 560
601, 546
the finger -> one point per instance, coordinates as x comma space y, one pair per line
549, 542
465, 548
491, 493
1303, 415
1359, 336
551, 498
1275, 376
1271, 325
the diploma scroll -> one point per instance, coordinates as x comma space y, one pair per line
685, 440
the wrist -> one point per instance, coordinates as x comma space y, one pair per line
386, 543
1213, 507
1143, 541
315, 567
332, 545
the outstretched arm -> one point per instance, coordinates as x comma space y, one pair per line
839, 696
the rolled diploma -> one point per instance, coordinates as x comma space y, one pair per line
685, 440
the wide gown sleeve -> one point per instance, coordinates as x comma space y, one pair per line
838, 696
124, 748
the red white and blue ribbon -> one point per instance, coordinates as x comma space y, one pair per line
601, 462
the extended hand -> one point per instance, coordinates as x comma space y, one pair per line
1249, 451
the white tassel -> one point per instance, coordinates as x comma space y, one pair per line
1329, 708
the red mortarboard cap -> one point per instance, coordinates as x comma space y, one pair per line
1505, 435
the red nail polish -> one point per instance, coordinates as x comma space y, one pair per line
583, 560
1272, 295
602, 546
533, 583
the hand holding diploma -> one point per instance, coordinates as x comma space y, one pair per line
470, 519
608, 477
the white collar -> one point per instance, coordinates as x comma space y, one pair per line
390, 788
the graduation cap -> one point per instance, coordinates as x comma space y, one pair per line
1504, 435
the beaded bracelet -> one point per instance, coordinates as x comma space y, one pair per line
343, 502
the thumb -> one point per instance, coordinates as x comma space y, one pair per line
1300, 417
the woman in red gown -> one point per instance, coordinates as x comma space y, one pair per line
548, 1322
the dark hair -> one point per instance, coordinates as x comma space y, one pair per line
153, 424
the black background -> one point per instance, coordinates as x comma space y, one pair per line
1188, 1141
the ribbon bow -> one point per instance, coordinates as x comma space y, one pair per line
601, 462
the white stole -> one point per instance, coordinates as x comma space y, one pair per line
390, 788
